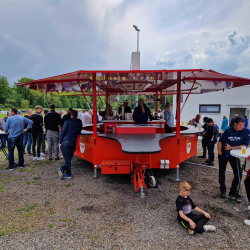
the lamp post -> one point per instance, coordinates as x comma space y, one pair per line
137, 29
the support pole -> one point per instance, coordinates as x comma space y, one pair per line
178, 113
94, 108
156, 103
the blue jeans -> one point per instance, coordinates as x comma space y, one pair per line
18, 142
2, 139
68, 150
27, 139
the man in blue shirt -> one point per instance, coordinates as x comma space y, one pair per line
233, 138
68, 138
169, 119
15, 125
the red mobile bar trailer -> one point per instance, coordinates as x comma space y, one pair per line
125, 148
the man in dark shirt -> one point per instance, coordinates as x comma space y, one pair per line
68, 138
125, 108
37, 133
203, 141
53, 122
67, 117
211, 139
232, 138
27, 135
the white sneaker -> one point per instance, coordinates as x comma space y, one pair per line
42, 154
40, 158
248, 208
34, 158
247, 222
209, 228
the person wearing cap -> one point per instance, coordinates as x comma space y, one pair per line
233, 138
19, 113
210, 134
124, 109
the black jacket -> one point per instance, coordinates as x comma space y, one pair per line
65, 118
211, 133
52, 120
26, 125
37, 127
142, 118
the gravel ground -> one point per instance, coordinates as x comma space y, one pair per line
40, 211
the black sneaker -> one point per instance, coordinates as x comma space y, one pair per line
50, 158
58, 158
202, 156
21, 166
210, 163
233, 195
223, 195
9, 169
207, 161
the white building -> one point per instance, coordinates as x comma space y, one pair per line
216, 104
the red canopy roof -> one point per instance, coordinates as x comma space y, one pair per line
162, 80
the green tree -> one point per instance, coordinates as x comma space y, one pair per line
25, 104
5, 89
66, 102
73, 103
10, 103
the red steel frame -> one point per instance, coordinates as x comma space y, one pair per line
175, 149
99, 149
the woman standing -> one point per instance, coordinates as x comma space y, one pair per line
142, 113
224, 124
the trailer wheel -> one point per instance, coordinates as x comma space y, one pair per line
152, 181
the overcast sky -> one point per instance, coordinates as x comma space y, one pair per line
45, 38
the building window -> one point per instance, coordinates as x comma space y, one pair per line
212, 108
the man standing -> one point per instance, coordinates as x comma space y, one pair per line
27, 135
67, 117
211, 139
123, 109
86, 118
45, 111
195, 121
68, 138
15, 125
52, 122
169, 118
232, 138
37, 133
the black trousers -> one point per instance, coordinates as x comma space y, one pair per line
168, 129
37, 138
200, 220
43, 143
222, 170
210, 148
204, 146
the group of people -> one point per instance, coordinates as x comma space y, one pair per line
34, 128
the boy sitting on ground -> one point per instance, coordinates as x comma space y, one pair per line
184, 206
